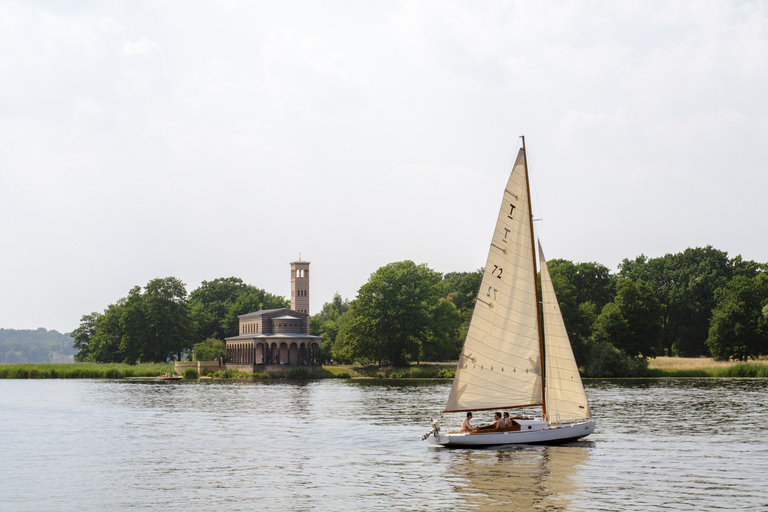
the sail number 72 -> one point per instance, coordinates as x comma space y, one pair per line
497, 271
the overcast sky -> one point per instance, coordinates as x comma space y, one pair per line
213, 139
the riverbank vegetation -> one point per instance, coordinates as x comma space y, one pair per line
82, 370
697, 303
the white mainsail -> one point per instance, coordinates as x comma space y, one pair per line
500, 364
565, 397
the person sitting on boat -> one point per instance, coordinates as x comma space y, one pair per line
509, 423
496, 425
465, 426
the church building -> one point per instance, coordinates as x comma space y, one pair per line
278, 337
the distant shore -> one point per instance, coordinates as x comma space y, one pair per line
658, 367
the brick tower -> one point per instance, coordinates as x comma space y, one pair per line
300, 286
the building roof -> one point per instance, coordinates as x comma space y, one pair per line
270, 336
285, 317
267, 311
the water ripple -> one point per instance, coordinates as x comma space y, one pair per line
667, 444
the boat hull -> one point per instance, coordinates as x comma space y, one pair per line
550, 435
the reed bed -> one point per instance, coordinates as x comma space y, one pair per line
705, 367
83, 370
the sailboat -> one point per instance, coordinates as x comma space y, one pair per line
517, 353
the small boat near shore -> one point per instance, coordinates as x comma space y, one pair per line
517, 353
169, 377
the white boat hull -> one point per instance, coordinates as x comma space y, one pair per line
548, 435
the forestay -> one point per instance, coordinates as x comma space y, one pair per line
499, 366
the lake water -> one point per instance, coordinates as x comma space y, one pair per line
671, 444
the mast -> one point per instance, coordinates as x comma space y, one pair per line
536, 287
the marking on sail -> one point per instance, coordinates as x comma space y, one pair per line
499, 269
502, 249
511, 209
512, 194
492, 289
489, 304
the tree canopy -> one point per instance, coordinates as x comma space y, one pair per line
739, 327
394, 313
157, 322
215, 306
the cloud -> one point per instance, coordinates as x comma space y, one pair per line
144, 46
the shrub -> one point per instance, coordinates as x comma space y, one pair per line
298, 372
605, 360
191, 373
112, 373
744, 370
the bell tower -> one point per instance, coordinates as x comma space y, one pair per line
300, 286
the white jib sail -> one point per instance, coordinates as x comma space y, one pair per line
565, 397
499, 366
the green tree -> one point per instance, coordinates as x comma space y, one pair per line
739, 328
81, 337
104, 344
392, 314
582, 290
210, 350
149, 326
167, 317
685, 285
136, 329
460, 288
210, 303
440, 342
632, 323
329, 323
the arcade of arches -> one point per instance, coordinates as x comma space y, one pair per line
271, 352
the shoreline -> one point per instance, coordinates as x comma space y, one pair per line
660, 367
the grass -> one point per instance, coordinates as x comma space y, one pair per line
413, 371
705, 367
658, 367
82, 370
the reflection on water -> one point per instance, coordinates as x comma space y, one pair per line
676, 444
519, 478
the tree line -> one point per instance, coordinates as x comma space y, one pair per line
33, 345
159, 322
698, 302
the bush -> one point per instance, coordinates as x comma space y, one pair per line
744, 370
191, 373
298, 372
607, 361
112, 373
